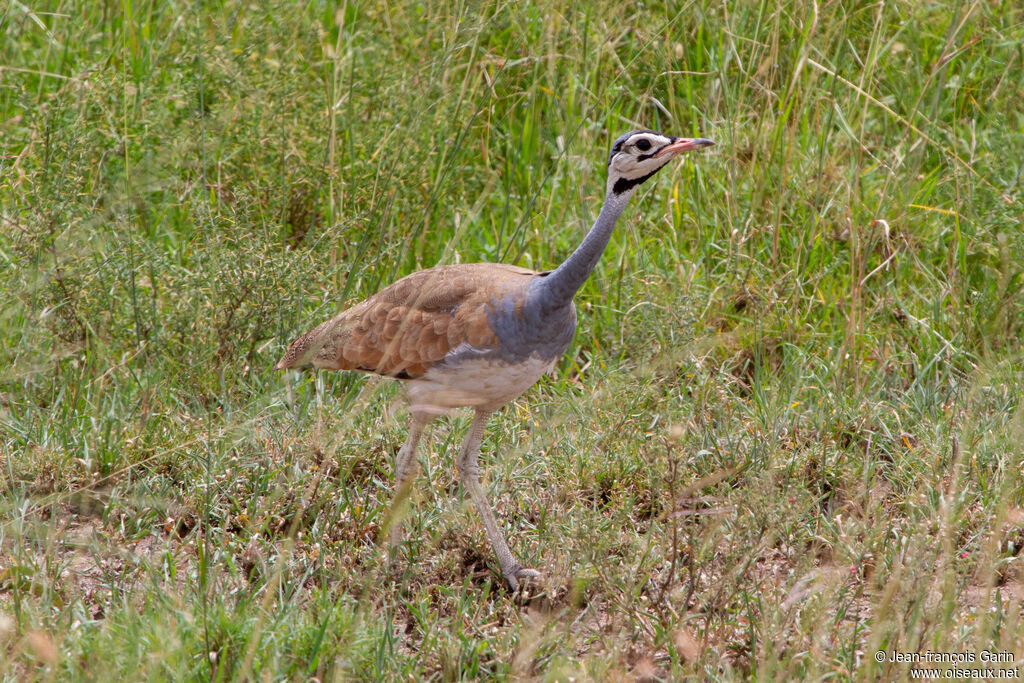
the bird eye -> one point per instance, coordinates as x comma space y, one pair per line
643, 144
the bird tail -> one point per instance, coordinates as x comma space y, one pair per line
302, 352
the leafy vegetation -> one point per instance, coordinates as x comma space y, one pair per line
788, 433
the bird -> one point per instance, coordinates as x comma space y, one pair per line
477, 335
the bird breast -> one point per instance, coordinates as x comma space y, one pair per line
525, 327
529, 343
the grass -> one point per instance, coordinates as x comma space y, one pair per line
788, 432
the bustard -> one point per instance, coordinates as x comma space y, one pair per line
477, 335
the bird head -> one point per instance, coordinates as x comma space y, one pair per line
638, 155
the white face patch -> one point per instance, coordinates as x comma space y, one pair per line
634, 158
637, 153
475, 383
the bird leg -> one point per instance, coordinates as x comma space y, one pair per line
405, 471
469, 474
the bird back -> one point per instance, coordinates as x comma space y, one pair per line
414, 323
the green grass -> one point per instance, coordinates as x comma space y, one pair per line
787, 435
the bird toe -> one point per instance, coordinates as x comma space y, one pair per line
519, 577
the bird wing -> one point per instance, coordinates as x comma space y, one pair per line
411, 324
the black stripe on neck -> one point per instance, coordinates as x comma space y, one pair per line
625, 184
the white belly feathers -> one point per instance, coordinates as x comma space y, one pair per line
485, 383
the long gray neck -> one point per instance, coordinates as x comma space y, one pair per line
557, 289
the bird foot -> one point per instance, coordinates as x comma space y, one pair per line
521, 576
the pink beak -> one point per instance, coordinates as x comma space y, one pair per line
683, 145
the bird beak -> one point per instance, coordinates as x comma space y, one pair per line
683, 145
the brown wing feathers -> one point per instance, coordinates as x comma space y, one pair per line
410, 325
